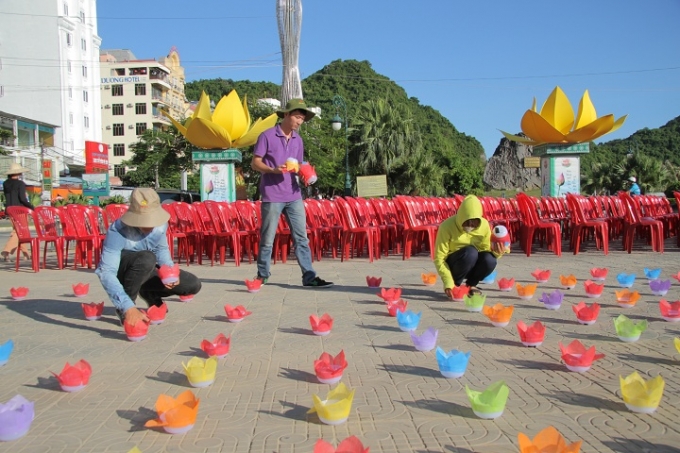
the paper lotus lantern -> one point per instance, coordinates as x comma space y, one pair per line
186, 297
321, 326
599, 274
390, 295
5, 351
627, 298
93, 311
292, 165
670, 311
489, 403
659, 287
429, 279
176, 416
16, 416
201, 373
676, 342
652, 274
627, 330
552, 301
19, 293
308, 173
218, 348
526, 292
625, 280
489, 279
373, 282
556, 124
506, 284
335, 409
458, 293
236, 314
81, 289
426, 341
408, 320
137, 332
568, 281
640, 395
395, 306
156, 313
169, 274
253, 286
474, 303
74, 377
548, 440
452, 364
541, 276
531, 336
329, 369
676, 276
499, 315
577, 358
593, 290
228, 126
351, 444
585, 314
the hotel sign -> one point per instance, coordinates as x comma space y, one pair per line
127, 79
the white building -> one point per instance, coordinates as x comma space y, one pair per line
49, 72
133, 93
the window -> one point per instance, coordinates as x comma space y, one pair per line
118, 71
117, 109
85, 96
140, 109
86, 121
119, 170
84, 71
82, 16
83, 44
68, 65
118, 129
70, 93
116, 90
69, 39
118, 149
140, 128
137, 71
65, 9
70, 118
140, 89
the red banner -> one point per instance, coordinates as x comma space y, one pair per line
96, 157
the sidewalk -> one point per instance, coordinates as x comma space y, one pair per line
264, 387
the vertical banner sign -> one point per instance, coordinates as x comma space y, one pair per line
46, 175
217, 182
96, 157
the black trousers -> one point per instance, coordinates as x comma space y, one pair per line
471, 265
138, 274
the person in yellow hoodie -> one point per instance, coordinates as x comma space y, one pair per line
463, 249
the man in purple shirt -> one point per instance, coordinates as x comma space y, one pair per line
281, 192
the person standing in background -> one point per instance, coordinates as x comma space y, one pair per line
15, 195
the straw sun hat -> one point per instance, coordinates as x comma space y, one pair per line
16, 169
145, 210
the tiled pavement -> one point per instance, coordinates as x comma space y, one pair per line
264, 386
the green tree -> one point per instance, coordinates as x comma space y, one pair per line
158, 159
5, 135
651, 173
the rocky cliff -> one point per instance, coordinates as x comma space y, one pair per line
505, 169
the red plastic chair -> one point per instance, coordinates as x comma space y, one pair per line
581, 224
224, 234
22, 217
115, 211
416, 231
532, 225
81, 226
203, 221
175, 233
353, 234
186, 223
634, 222
48, 226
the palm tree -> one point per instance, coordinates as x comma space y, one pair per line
652, 174
597, 179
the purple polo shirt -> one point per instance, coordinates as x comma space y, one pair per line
273, 147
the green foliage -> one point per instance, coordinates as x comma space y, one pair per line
116, 199
35, 199
216, 88
5, 135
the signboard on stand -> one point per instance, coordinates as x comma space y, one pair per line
96, 185
217, 182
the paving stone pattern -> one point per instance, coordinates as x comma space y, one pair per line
264, 387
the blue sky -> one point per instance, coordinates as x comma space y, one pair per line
479, 63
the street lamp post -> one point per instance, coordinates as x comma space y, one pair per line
336, 123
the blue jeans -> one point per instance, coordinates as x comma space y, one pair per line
297, 221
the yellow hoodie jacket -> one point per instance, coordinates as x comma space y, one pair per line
452, 237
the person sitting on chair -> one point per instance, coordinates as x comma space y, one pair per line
634, 189
463, 250
136, 246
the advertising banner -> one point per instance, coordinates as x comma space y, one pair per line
96, 157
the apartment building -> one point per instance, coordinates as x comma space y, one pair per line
49, 68
134, 93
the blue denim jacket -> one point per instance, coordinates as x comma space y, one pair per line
122, 237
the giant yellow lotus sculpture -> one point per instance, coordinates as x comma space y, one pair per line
228, 126
556, 124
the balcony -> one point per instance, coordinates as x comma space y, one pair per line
160, 78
